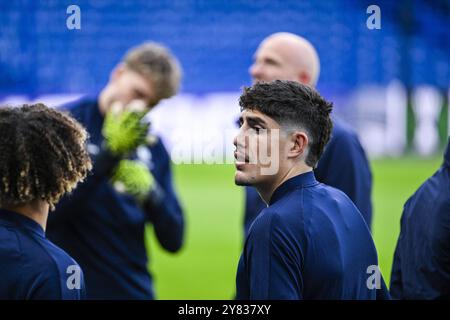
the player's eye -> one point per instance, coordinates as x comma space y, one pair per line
139, 95
271, 62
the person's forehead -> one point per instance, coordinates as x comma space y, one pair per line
280, 50
269, 49
252, 113
256, 114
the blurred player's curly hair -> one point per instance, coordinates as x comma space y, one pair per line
157, 64
293, 105
42, 155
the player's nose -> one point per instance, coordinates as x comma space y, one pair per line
241, 143
239, 140
255, 70
235, 140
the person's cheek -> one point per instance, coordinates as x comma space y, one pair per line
253, 147
127, 95
261, 149
122, 89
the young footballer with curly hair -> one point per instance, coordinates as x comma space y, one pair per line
42, 157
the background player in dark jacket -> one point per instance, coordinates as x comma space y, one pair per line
344, 165
421, 268
103, 223
42, 156
311, 242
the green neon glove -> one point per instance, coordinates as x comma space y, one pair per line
134, 178
124, 130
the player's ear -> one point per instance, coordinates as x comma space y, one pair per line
304, 78
298, 145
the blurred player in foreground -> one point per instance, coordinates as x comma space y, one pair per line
310, 242
421, 267
343, 165
102, 224
42, 156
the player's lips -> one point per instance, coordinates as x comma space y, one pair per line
240, 159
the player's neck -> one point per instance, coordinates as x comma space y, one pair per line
36, 210
267, 191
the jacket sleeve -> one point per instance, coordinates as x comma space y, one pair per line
396, 286
163, 209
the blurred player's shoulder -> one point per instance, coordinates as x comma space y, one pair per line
343, 132
431, 201
81, 108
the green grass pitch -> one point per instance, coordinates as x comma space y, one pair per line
206, 266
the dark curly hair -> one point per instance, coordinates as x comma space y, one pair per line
292, 104
42, 154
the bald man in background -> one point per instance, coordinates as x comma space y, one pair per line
343, 165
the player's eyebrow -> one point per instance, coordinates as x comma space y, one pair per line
269, 59
252, 120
